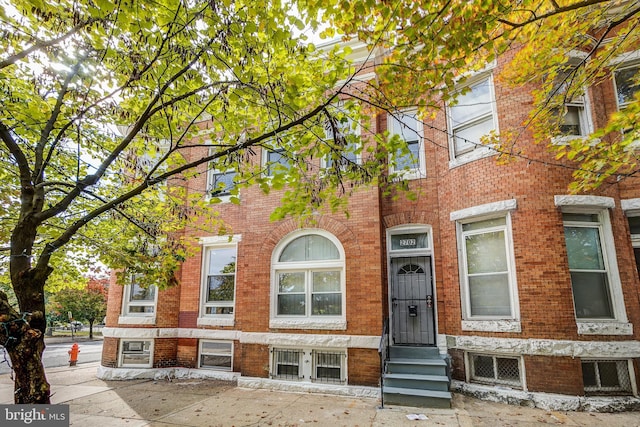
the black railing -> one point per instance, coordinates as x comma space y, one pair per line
383, 352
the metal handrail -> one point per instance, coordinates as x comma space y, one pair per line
383, 352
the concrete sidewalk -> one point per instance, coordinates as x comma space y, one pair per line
93, 402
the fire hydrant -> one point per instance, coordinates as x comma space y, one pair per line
73, 354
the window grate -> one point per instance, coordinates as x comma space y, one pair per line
286, 364
495, 370
606, 377
328, 367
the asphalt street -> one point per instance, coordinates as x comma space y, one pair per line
57, 354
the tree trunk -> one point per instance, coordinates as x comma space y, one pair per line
25, 346
91, 329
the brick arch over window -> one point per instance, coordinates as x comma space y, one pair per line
404, 218
343, 233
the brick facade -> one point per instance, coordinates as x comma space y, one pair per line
548, 342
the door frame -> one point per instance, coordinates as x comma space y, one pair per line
404, 253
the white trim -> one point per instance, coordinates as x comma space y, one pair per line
309, 387
277, 323
492, 325
584, 201
107, 374
137, 320
546, 401
626, 57
265, 338
545, 347
220, 240
631, 207
486, 209
604, 328
216, 321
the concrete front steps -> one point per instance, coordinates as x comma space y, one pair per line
416, 376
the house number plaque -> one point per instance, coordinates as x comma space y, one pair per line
407, 242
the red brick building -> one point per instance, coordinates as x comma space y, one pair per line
508, 283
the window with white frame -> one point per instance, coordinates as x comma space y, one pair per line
606, 377
589, 264
487, 269
216, 355
139, 299
306, 364
472, 116
308, 273
219, 278
491, 369
576, 119
136, 353
410, 160
626, 83
341, 134
220, 183
328, 366
274, 160
286, 363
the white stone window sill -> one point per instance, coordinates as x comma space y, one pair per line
137, 320
335, 325
216, 321
605, 328
491, 325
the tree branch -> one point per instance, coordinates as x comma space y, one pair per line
42, 44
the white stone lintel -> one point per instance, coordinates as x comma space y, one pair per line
601, 202
486, 209
630, 205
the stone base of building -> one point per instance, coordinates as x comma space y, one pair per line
547, 401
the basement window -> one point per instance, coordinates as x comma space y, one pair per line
489, 369
328, 367
136, 354
216, 355
318, 365
602, 377
286, 364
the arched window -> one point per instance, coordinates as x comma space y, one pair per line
308, 273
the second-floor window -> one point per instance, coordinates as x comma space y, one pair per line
626, 83
139, 300
472, 116
409, 161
